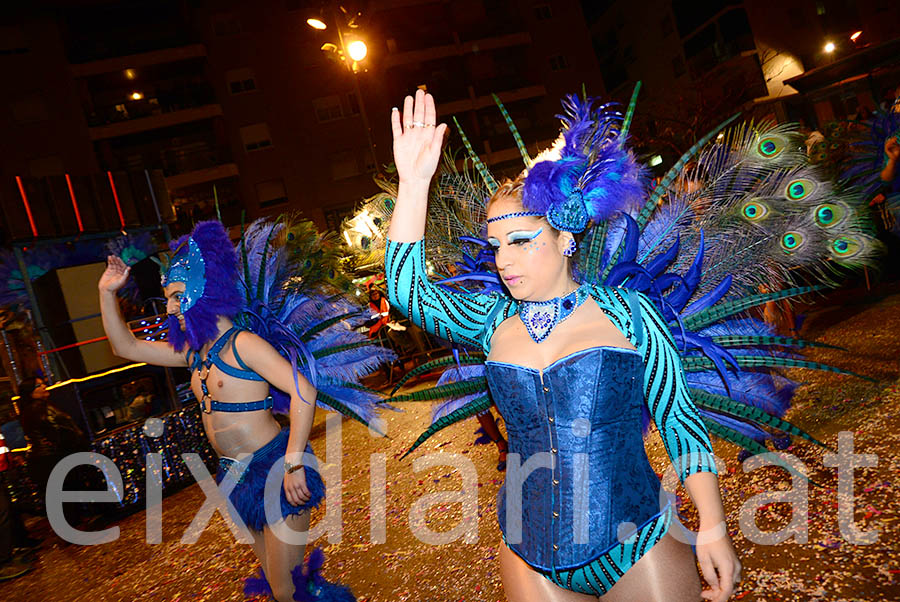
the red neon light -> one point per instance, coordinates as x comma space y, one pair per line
27, 206
116, 198
74, 203
89, 341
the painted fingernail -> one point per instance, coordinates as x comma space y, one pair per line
394, 109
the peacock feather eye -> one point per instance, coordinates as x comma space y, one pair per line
829, 215
799, 189
791, 242
844, 247
754, 210
771, 147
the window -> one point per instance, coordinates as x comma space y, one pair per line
343, 165
558, 62
353, 103
240, 80
542, 12
678, 66
328, 108
30, 109
225, 24
369, 161
256, 137
271, 193
820, 8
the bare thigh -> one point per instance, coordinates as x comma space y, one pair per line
281, 557
523, 584
666, 573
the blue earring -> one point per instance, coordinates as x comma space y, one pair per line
570, 250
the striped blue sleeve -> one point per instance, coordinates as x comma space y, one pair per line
453, 316
679, 423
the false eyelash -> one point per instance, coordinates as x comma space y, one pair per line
525, 237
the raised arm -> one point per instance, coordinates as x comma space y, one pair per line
417, 150
121, 339
687, 444
892, 151
456, 317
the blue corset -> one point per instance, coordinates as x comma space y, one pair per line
584, 420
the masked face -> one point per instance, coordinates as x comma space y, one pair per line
174, 293
188, 269
201, 286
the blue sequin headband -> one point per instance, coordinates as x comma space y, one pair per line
515, 214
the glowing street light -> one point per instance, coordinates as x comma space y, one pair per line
855, 36
316, 23
136, 95
829, 47
357, 50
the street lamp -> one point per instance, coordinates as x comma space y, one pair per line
356, 50
829, 47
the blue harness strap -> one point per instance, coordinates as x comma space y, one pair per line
207, 403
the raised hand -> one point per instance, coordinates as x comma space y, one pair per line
115, 275
417, 139
892, 148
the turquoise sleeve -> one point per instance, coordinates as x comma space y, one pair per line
453, 316
677, 418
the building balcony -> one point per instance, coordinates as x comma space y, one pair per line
201, 176
447, 50
137, 61
479, 102
193, 160
153, 122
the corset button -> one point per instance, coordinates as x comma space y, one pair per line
555, 548
556, 481
552, 450
550, 418
556, 515
546, 389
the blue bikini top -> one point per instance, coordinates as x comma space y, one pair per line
207, 403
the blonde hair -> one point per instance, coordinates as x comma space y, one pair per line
508, 189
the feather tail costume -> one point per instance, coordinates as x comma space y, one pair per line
749, 221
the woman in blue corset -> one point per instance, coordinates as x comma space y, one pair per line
569, 367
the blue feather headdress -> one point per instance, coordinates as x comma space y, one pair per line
588, 176
207, 260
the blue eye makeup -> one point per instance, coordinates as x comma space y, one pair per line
523, 236
495, 244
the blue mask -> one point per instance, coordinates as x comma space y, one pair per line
188, 267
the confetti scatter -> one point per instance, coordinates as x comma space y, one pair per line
826, 567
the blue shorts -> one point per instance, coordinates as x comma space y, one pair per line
248, 494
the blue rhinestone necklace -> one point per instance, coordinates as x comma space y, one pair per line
541, 317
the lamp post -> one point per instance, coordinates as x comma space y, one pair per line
351, 55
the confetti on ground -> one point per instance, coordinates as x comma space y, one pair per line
825, 567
